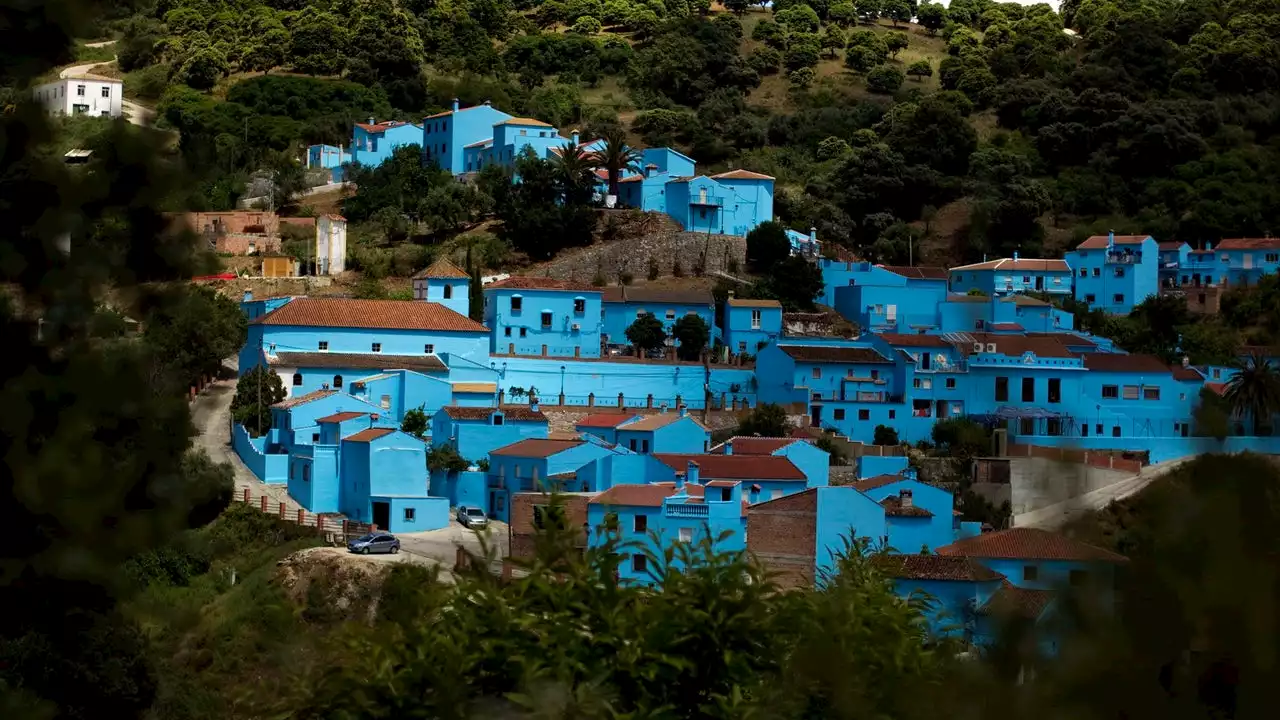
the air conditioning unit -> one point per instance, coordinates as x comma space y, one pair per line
991, 347
977, 347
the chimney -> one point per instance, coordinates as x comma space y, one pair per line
324, 386
813, 234
684, 411
1208, 246
455, 104
1111, 240
248, 296
905, 500
487, 103
533, 404
371, 122
692, 473
650, 169
730, 294
728, 447
1015, 256
574, 135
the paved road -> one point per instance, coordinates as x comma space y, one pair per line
1059, 514
133, 112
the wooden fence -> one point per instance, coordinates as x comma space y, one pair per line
332, 526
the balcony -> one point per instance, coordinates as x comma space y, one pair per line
1123, 258
686, 510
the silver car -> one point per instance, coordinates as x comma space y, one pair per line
374, 543
471, 517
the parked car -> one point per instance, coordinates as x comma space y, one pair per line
374, 543
471, 517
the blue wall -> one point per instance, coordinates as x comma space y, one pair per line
618, 316
749, 329
870, 465
361, 340
373, 148
844, 513
523, 331
475, 439
1118, 279
268, 468
429, 513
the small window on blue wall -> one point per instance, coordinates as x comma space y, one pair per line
297, 379
409, 514
498, 419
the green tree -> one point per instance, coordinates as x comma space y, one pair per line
896, 43
885, 79
737, 7
1254, 392
843, 14
204, 68
833, 39
798, 18
446, 458
192, 329
801, 77
765, 420
415, 422
920, 70
770, 33
795, 282
767, 245
1212, 416
885, 435
692, 334
961, 437
898, 11
616, 156
932, 16
646, 333
256, 391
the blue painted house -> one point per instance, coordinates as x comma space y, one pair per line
665, 432
372, 143
1013, 275
543, 317
764, 477
879, 297
446, 135
384, 482
604, 425
331, 158
749, 326
812, 461
1116, 273
798, 537
956, 589
1243, 261
816, 374
544, 465
444, 283
624, 305
918, 517
476, 431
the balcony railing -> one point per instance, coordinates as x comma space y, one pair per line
1124, 258
686, 510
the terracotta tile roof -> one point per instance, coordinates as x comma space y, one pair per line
741, 175
833, 354
342, 417
369, 435
744, 302
642, 495
1170, 244
523, 121
1268, 243
380, 127
955, 298
655, 422
613, 295
934, 567
479, 143
734, 467
541, 283
1024, 265
724, 483
297, 400
1185, 373
876, 481
442, 268
632, 178
914, 340
1121, 362
893, 507
1014, 345
746, 445
917, 273
1099, 242
447, 113
1029, 544
1067, 339
536, 448
670, 297
1219, 388
388, 314
475, 387
605, 420
1007, 327
514, 413
1018, 602
1027, 301
358, 361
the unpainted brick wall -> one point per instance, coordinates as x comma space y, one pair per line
783, 535
522, 529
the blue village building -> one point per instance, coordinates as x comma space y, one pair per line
373, 143
728, 203
813, 462
805, 245
543, 317
475, 432
331, 158
444, 283
813, 375
879, 297
1116, 273
665, 432
624, 305
749, 326
1013, 275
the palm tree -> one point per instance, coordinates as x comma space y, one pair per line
1255, 391
573, 167
616, 156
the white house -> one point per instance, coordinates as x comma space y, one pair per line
331, 244
82, 95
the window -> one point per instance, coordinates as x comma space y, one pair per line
1273, 257
1110, 392
448, 292
1118, 298
315, 437
755, 319
671, 314
306, 473
1115, 431
546, 319
1150, 393
893, 414
1090, 298
506, 331
517, 303
1055, 390
644, 446
875, 374
640, 523
376, 347
816, 396
864, 414
1077, 577
106, 91
524, 332
337, 382
1119, 272
1028, 389
1002, 389
579, 305
498, 419
1030, 573
633, 444
1131, 392
838, 413
1026, 279
686, 535
429, 349
742, 347
297, 379
323, 345
80, 90
817, 373
1097, 272
639, 563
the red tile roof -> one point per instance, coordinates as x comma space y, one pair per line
1029, 544
1015, 345
442, 268
1170, 244
1219, 388
1099, 242
516, 413
1007, 327
388, 314
834, 354
642, 495
1268, 243
604, 420
369, 435
893, 507
1008, 264
380, 127
934, 567
655, 422
1018, 602
541, 283
342, 417
297, 400
1185, 373
1125, 363
748, 303
667, 297
914, 340
536, 448
734, 467
917, 273
758, 445
358, 361
1066, 338
741, 175
724, 483
876, 481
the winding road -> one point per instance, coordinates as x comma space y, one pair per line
133, 112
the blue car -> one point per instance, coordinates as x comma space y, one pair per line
374, 543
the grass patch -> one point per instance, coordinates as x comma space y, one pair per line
86, 54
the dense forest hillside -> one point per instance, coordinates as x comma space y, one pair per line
1157, 116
